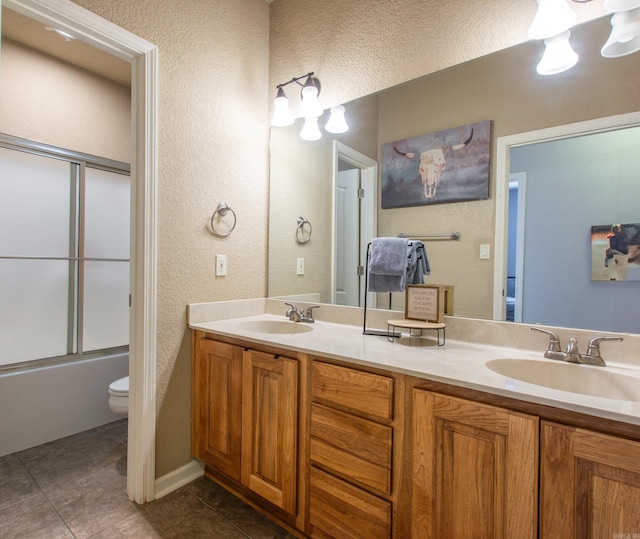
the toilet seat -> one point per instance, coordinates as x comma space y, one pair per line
120, 387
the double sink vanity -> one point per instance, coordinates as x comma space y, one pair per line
333, 433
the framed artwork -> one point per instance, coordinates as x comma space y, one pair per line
615, 252
444, 166
424, 302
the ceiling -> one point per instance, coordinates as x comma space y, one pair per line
34, 35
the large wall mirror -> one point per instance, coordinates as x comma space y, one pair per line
504, 88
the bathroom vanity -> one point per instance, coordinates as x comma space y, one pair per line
335, 434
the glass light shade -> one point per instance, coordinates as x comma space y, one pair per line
310, 129
310, 107
621, 5
281, 112
337, 122
552, 18
558, 55
625, 34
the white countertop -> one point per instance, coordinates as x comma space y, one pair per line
457, 363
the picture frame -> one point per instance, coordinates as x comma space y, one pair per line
424, 302
445, 166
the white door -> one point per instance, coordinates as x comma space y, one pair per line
348, 237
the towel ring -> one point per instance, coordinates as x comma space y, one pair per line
303, 236
223, 208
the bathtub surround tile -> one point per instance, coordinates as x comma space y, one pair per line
16, 483
93, 503
33, 518
55, 464
239, 513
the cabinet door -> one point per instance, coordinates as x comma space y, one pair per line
270, 418
589, 484
475, 470
217, 406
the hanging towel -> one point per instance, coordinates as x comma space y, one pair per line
418, 262
388, 265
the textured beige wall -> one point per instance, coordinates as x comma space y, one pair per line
49, 101
213, 144
357, 47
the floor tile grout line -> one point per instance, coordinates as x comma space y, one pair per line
232, 524
59, 515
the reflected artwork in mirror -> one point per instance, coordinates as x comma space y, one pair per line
505, 87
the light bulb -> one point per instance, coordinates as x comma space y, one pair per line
310, 106
310, 130
337, 122
558, 55
281, 113
552, 18
625, 34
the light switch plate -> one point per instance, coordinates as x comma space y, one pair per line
485, 251
300, 266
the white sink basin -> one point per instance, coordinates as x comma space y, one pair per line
582, 379
279, 327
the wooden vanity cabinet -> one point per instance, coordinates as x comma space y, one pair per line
350, 483
475, 470
217, 405
269, 427
245, 418
589, 484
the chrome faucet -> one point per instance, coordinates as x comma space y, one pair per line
300, 316
555, 352
572, 355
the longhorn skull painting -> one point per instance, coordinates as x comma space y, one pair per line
446, 166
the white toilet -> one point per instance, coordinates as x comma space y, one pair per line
119, 396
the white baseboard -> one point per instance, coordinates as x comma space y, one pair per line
177, 478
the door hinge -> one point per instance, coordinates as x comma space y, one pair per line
360, 270
129, 300
360, 193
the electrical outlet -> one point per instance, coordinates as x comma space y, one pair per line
300, 266
485, 251
221, 265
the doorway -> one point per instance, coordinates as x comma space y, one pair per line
354, 223
108, 37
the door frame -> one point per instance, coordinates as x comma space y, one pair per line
368, 209
503, 147
143, 56
520, 178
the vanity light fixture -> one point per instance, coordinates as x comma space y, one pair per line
310, 109
558, 55
337, 122
552, 18
310, 129
625, 30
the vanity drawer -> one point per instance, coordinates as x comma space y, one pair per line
354, 447
368, 393
346, 512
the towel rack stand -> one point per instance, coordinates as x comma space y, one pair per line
442, 236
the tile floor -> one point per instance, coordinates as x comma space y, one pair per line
76, 488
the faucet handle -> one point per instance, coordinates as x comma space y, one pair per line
594, 345
554, 340
291, 305
309, 313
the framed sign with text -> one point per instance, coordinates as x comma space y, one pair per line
424, 302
